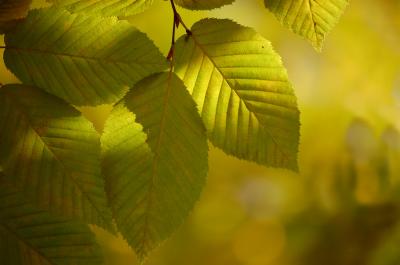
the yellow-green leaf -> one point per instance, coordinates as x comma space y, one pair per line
311, 19
119, 8
155, 160
242, 90
30, 235
203, 4
83, 59
53, 153
11, 11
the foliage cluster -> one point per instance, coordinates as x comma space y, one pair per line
221, 82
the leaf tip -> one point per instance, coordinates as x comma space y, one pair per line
318, 45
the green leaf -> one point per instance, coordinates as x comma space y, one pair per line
84, 59
11, 11
242, 90
203, 4
29, 235
311, 19
118, 8
54, 153
155, 160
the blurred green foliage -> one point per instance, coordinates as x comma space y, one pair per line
344, 206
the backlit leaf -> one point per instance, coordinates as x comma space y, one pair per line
29, 235
311, 19
54, 153
86, 60
155, 160
242, 90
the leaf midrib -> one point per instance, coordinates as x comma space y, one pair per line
135, 4
61, 54
156, 159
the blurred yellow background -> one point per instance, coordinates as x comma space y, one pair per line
344, 206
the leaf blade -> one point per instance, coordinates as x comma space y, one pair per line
29, 235
11, 11
55, 154
121, 8
242, 90
203, 4
151, 196
83, 59
311, 19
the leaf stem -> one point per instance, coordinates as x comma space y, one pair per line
2, 47
171, 50
178, 18
176, 22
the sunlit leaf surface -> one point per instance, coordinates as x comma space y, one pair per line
242, 90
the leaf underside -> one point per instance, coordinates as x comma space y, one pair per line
155, 160
83, 59
11, 11
203, 4
29, 235
311, 19
54, 153
118, 8
242, 91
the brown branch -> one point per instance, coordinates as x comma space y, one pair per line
177, 21
178, 18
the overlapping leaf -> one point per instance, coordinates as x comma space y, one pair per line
203, 4
155, 160
119, 8
242, 90
53, 152
84, 59
11, 11
29, 235
311, 19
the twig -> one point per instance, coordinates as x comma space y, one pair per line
179, 18
177, 21
171, 50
